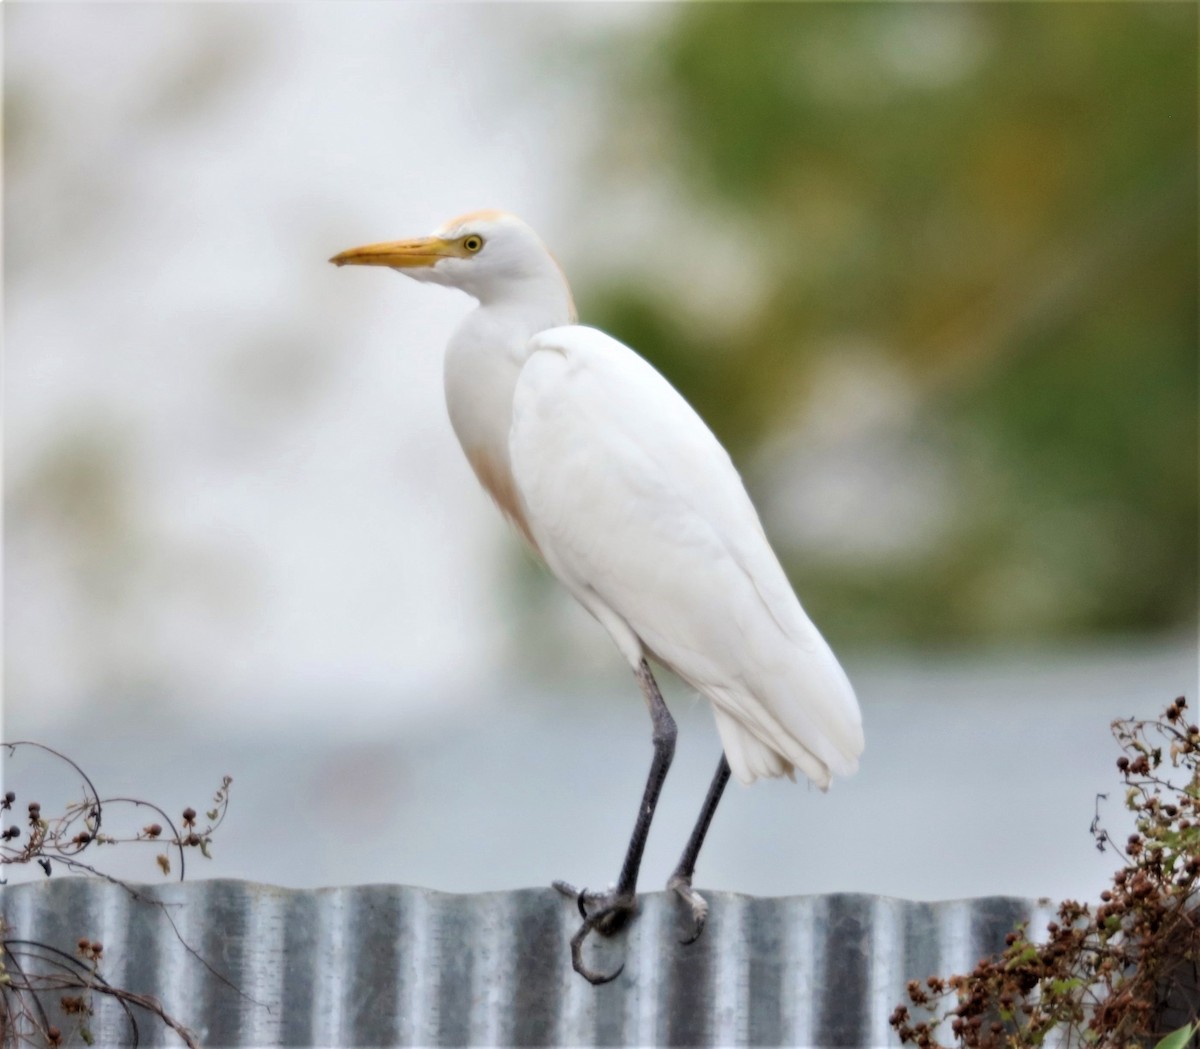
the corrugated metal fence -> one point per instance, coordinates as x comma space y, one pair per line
393, 965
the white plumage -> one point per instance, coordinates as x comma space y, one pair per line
634, 505
630, 499
638, 510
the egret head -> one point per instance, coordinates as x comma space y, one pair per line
487, 254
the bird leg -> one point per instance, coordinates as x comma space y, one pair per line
608, 912
681, 880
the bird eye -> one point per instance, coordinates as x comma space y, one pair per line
473, 243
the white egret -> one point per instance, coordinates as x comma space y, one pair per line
633, 504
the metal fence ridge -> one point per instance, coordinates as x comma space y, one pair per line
396, 965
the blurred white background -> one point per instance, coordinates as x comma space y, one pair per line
240, 537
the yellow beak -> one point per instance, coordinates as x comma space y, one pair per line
400, 254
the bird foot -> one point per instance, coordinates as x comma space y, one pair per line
603, 912
681, 885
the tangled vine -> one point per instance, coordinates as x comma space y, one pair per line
44, 987
1124, 973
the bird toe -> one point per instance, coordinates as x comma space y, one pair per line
682, 887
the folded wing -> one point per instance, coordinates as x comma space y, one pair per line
638, 509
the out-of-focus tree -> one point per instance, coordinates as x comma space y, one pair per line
933, 280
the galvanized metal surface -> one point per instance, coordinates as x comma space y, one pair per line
394, 965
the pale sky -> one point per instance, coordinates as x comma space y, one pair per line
241, 538
291, 513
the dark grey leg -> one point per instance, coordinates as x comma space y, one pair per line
614, 909
681, 880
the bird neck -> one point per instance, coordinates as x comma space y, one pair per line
484, 359
526, 304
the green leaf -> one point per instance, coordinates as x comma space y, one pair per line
1026, 956
1178, 1039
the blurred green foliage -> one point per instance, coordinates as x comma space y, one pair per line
1000, 200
